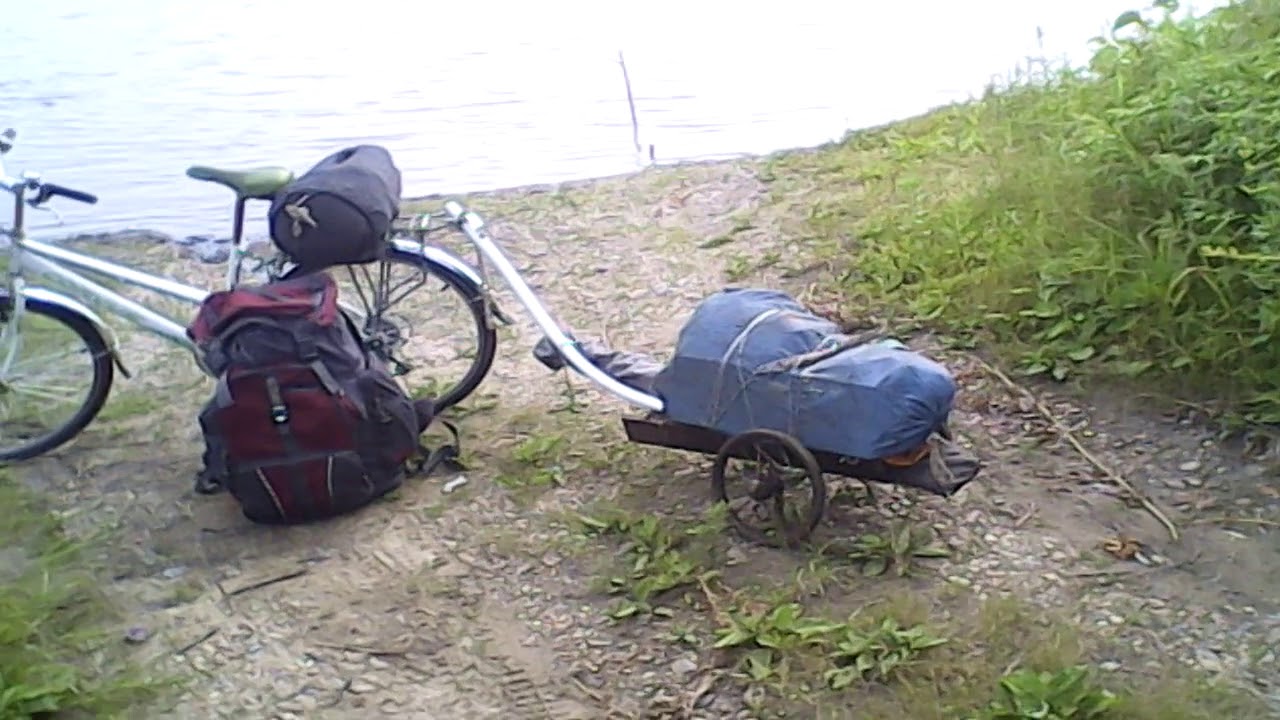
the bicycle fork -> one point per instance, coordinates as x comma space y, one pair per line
10, 338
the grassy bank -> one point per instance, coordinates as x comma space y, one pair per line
1120, 220
56, 657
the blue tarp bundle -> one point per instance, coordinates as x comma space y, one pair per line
752, 358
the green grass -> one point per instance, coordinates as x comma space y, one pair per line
889, 650
58, 654
910, 656
1120, 220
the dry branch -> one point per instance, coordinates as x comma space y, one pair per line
1079, 447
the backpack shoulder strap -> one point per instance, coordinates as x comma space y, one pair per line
445, 455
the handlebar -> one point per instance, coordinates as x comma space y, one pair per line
30, 182
48, 190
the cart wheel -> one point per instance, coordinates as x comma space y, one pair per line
773, 466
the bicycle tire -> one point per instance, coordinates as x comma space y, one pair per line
486, 335
103, 376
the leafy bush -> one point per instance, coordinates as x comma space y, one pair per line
1065, 695
880, 652
1123, 217
852, 651
655, 560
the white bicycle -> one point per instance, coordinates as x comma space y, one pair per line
58, 357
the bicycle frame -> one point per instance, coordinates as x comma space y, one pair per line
472, 226
34, 257
40, 258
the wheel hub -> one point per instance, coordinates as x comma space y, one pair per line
767, 484
383, 334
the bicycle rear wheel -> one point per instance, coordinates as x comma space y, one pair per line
440, 344
55, 374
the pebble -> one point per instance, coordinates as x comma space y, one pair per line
684, 667
1109, 665
213, 254
1209, 660
1190, 466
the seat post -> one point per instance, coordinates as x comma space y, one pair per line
237, 222
237, 243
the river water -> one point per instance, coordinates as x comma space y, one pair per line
118, 96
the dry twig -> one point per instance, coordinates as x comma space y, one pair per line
196, 642
631, 103
1243, 520
1079, 447
716, 611
238, 585
705, 683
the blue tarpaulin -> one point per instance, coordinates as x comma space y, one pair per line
754, 358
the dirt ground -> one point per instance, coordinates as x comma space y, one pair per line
486, 602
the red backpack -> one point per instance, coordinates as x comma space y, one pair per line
304, 423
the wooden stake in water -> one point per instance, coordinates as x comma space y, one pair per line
631, 103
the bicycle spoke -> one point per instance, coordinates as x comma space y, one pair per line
368, 309
48, 392
49, 388
46, 361
437, 344
12, 342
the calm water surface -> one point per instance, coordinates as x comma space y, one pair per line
118, 97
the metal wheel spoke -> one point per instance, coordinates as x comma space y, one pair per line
368, 309
779, 464
417, 335
44, 392
45, 361
58, 375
